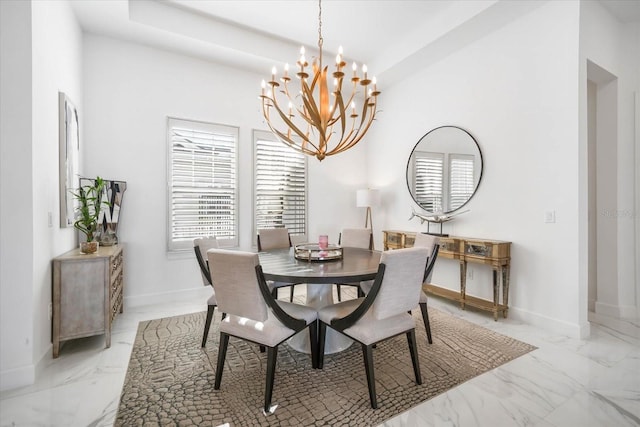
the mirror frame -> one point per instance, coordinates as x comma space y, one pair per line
421, 140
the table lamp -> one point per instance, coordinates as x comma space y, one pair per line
367, 199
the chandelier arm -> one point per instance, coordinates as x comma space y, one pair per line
312, 109
287, 121
351, 136
350, 141
357, 139
285, 139
345, 103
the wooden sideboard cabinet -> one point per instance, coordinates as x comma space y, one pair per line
495, 253
87, 294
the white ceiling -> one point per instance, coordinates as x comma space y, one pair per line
390, 36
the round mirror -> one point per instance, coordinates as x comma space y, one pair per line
444, 169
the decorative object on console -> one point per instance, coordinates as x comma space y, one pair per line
112, 193
438, 219
90, 201
443, 172
308, 119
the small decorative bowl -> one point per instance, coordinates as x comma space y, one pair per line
313, 252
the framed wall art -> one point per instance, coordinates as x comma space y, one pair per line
69, 133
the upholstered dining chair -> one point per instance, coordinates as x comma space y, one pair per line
201, 246
253, 314
430, 242
275, 238
354, 238
382, 314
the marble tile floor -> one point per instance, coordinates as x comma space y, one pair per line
565, 382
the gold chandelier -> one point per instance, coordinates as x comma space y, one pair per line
307, 122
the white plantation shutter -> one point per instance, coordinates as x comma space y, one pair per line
202, 182
461, 180
280, 180
429, 172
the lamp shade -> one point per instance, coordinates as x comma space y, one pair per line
367, 198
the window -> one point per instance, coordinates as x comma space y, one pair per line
429, 173
280, 180
202, 183
461, 181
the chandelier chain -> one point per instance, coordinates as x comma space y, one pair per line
320, 40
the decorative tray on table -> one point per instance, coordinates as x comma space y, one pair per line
313, 252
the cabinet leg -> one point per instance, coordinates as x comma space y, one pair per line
56, 349
463, 283
496, 290
505, 289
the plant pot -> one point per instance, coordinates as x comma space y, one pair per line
89, 247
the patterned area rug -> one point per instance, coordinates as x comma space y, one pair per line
170, 378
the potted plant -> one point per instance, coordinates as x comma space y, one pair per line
90, 198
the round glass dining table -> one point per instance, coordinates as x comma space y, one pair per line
356, 265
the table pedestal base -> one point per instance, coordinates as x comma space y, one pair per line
318, 296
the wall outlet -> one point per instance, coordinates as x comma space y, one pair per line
470, 273
50, 219
50, 311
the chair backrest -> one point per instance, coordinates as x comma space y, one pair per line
201, 246
236, 285
298, 239
401, 283
356, 238
430, 242
273, 238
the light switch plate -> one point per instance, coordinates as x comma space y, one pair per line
550, 217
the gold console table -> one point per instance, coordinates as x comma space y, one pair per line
495, 253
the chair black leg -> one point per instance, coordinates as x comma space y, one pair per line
360, 292
207, 323
272, 355
322, 333
291, 297
339, 293
425, 319
313, 340
413, 349
274, 293
367, 352
222, 354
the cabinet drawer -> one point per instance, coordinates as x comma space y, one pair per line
486, 249
450, 245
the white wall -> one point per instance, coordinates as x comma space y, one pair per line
16, 211
129, 92
44, 44
614, 47
515, 91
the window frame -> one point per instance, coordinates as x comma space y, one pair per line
261, 135
180, 246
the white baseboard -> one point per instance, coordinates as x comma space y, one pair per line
16, 378
572, 330
616, 311
193, 294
